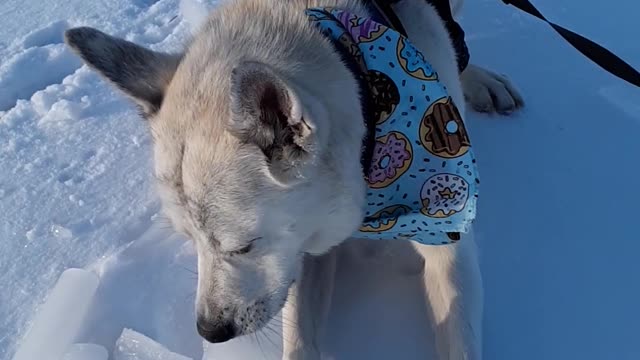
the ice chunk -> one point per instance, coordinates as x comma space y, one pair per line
86, 352
57, 322
134, 346
31, 234
61, 232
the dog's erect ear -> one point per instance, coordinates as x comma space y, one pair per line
267, 112
141, 73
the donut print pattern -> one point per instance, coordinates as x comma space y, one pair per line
353, 50
413, 62
385, 94
422, 180
361, 29
442, 131
392, 156
384, 219
444, 195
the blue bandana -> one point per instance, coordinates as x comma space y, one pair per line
422, 174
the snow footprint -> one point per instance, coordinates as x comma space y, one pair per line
156, 24
45, 61
76, 172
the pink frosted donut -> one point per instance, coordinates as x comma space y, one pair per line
392, 156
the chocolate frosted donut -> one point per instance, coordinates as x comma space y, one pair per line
392, 156
385, 95
444, 195
442, 130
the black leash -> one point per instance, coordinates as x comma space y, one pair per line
598, 54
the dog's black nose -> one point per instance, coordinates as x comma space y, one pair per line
216, 333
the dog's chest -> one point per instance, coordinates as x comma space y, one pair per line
418, 161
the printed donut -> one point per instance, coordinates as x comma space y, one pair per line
412, 61
444, 195
384, 93
384, 219
361, 29
442, 130
392, 156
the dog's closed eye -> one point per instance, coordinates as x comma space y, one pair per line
244, 249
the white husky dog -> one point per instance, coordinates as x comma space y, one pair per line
257, 141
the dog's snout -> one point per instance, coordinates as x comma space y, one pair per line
216, 332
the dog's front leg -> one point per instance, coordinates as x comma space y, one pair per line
305, 313
485, 90
453, 287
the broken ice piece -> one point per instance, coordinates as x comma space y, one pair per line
61, 232
56, 324
86, 352
134, 346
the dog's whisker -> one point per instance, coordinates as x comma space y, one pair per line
266, 336
283, 321
281, 336
290, 322
189, 296
259, 345
187, 269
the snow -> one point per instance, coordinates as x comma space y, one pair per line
194, 13
24, 74
558, 203
86, 352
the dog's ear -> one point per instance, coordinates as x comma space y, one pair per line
268, 112
139, 72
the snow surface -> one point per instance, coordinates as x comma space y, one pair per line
86, 352
556, 216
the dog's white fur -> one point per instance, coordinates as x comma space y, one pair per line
290, 179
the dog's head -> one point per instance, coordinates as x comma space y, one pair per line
246, 169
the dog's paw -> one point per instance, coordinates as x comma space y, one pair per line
488, 92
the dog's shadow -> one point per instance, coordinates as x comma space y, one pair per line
379, 306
